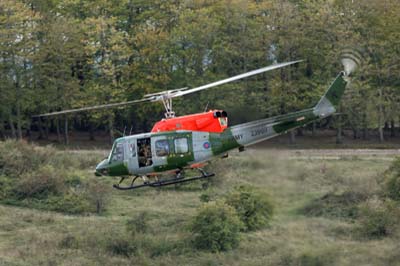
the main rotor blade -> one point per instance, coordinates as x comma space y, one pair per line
244, 75
111, 105
164, 95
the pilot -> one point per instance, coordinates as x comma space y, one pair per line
147, 154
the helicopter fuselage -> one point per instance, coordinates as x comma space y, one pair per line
156, 152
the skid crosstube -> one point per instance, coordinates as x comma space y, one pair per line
166, 182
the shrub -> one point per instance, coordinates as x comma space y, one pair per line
120, 246
18, 157
6, 187
309, 258
97, 194
71, 203
331, 205
392, 181
69, 241
44, 182
392, 187
216, 227
254, 208
138, 224
40, 177
378, 218
208, 195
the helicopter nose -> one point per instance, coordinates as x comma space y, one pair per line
102, 168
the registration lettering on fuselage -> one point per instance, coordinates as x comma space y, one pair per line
238, 136
259, 131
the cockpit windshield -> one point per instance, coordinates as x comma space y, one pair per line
117, 153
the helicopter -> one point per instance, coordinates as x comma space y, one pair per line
176, 144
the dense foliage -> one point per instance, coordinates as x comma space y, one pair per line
392, 181
216, 227
254, 207
378, 218
39, 177
67, 54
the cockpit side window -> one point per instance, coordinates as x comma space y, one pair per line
162, 147
118, 153
132, 149
181, 145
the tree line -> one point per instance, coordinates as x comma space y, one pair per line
61, 54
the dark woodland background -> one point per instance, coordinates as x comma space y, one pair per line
57, 55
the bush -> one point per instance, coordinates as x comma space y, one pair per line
97, 194
331, 205
42, 178
18, 157
392, 187
69, 241
71, 203
6, 187
254, 208
138, 224
309, 258
120, 246
216, 227
392, 181
378, 218
44, 182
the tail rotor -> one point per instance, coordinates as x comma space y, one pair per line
351, 60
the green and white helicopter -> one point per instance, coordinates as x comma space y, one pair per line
188, 142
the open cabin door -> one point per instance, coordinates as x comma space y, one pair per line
144, 152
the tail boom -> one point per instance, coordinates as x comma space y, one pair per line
260, 130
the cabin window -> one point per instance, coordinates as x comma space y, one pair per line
132, 149
118, 153
181, 145
162, 147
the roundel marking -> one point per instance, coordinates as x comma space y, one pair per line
206, 145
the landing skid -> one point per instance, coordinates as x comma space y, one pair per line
179, 178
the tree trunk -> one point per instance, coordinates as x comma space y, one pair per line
365, 133
40, 127
28, 133
386, 128
2, 129
300, 132
339, 139
292, 137
17, 100
380, 118
46, 129
13, 133
111, 127
355, 133
392, 129
314, 128
19, 122
66, 139
91, 131
365, 127
58, 130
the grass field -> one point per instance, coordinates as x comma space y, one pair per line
295, 181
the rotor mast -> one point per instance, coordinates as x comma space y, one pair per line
167, 102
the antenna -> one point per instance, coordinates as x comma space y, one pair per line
205, 109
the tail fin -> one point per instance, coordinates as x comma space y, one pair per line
329, 103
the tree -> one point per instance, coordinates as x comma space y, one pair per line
16, 48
